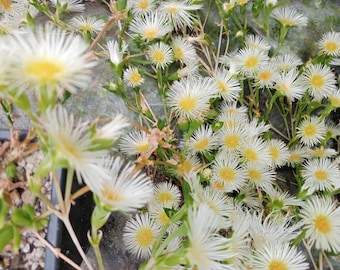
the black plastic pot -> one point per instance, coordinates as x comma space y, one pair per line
80, 217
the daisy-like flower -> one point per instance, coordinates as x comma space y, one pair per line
280, 256
265, 76
232, 109
189, 97
272, 229
231, 138
278, 152
249, 197
289, 85
150, 26
184, 51
206, 249
334, 98
136, 142
112, 130
139, 235
89, 24
132, 77
322, 152
256, 42
218, 203
140, 7
260, 176
178, 12
126, 190
167, 195
329, 43
71, 145
298, 154
49, 60
256, 127
203, 139
160, 54
286, 62
311, 131
289, 17
189, 164
71, 5
115, 51
320, 216
320, 81
254, 151
320, 174
228, 87
249, 60
227, 175
281, 200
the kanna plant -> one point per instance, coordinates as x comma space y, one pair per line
244, 137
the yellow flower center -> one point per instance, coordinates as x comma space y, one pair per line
151, 32
164, 197
274, 153
143, 4
232, 141
145, 237
111, 195
142, 147
284, 88
322, 224
201, 144
294, 157
277, 265
44, 71
179, 53
187, 104
251, 62
87, 27
254, 175
217, 185
214, 207
331, 47
319, 152
227, 174
309, 130
321, 175
250, 155
135, 77
335, 101
222, 87
159, 56
265, 75
317, 81
185, 167
163, 217
69, 148
173, 9
287, 22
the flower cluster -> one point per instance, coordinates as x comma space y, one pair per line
244, 148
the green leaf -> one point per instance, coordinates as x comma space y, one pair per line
16, 239
24, 217
3, 211
6, 235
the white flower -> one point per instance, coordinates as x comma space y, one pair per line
257, 42
289, 85
160, 54
89, 24
203, 139
249, 60
69, 143
311, 131
72, 5
206, 249
125, 190
321, 218
228, 87
150, 26
178, 12
254, 151
289, 17
278, 152
112, 130
184, 51
189, 97
136, 142
276, 255
49, 60
139, 235
320, 80
329, 43
167, 195
286, 62
116, 51
320, 175
140, 7
260, 176
132, 77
